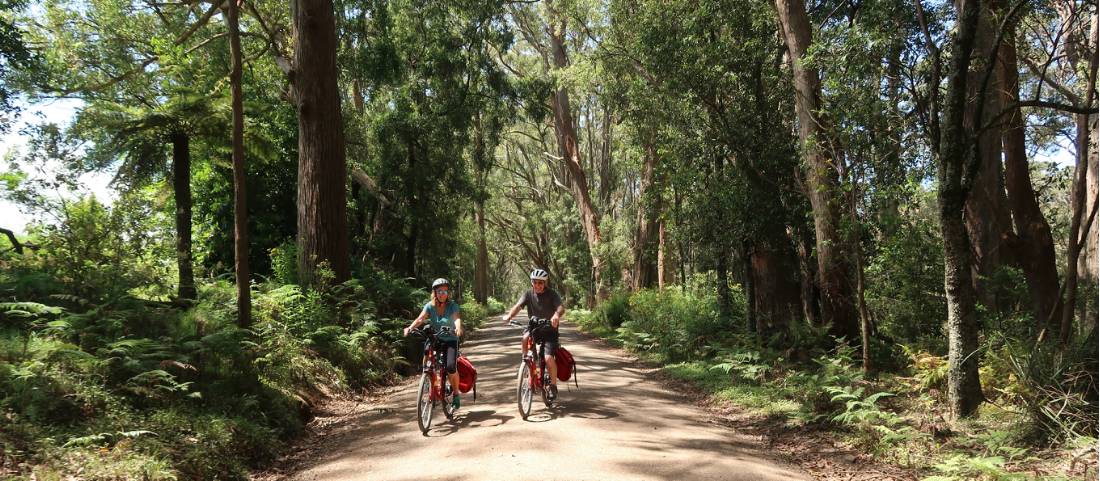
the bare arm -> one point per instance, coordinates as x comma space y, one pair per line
512, 313
458, 323
417, 322
557, 316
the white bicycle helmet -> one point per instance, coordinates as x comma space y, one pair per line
440, 282
539, 275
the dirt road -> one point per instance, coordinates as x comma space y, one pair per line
617, 426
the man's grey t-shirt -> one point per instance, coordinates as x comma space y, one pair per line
540, 305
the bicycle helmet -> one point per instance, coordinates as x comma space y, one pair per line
440, 282
539, 275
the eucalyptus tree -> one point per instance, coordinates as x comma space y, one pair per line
549, 29
707, 80
834, 261
431, 115
957, 162
322, 164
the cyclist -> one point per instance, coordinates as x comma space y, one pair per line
442, 312
544, 303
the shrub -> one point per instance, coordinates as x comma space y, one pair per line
674, 324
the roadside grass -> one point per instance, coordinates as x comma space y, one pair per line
898, 417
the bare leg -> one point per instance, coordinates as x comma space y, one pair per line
553, 367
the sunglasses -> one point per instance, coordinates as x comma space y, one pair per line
441, 292
538, 283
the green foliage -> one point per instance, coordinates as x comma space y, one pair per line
159, 405
858, 410
1056, 388
963, 466
742, 364
284, 263
671, 323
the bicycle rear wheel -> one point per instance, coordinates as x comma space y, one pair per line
424, 403
523, 390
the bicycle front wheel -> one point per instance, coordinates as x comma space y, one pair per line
424, 403
523, 390
448, 398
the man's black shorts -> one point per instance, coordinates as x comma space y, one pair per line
549, 335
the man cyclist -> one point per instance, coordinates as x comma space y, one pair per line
544, 303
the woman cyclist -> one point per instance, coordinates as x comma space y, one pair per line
442, 312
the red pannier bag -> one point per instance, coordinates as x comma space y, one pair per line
567, 366
467, 375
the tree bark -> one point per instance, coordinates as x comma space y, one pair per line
1076, 239
181, 184
987, 213
240, 206
648, 207
1087, 262
662, 262
722, 269
964, 385
322, 169
833, 264
776, 292
567, 138
811, 308
749, 286
1033, 237
481, 269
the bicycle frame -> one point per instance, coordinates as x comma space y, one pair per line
431, 364
536, 374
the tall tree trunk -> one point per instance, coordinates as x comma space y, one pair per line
964, 385
811, 308
181, 184
662, 252
987, 212
833, 264
681, 257
776, 292
240, 208
1087, 265
857, 255
1034, 241
567, 137
1085, 182
1079, 216
749, 286
481, 269
322, 169
724, 304
649, 203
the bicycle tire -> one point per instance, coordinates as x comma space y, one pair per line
448, 408
424, 403
523, 390
546, 390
